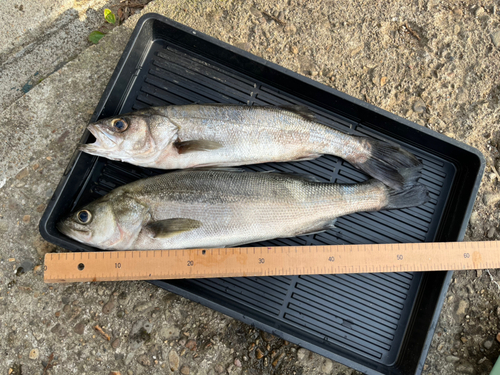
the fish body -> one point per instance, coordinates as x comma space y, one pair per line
217, 208
219, 135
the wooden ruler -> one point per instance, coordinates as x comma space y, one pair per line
269, 261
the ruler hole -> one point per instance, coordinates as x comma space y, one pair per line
203, 252
81, 266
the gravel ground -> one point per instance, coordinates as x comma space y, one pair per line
435, 63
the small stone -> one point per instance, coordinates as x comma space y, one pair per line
462, 306
191, 345
465, 368
109, 306
185, 370
237, 362
219, 368
168, 333
258, 353
173, 360
457, 11
463, 339
40, 208
278, 358
267, 337
26, 219
327, 366
419, 106
302, 354
488, 344
115, 373
479, 12
495, 38
116, 343
491, 232
144, 360
498, 337
490, 199
22, 174
481, 360
452, 359
34, 353
294, 50
143, 306
79, 328
383, 81
290, 29
479, 273
440, 347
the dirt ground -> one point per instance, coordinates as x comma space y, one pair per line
433, 62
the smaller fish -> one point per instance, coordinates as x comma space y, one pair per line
221, 135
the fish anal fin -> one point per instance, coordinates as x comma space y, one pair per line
308, 157
318, 228
196, 145
171, 227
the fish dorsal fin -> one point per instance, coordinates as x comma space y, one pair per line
300, 110
220, 169
196, 145
296, 176
171, 227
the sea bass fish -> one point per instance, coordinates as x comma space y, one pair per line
217, 208
221, 135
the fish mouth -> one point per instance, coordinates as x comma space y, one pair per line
76, 234
103, 144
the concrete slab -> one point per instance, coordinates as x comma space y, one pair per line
40, 38
394, 55
22, 22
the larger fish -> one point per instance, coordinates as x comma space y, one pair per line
189, 136
214, 208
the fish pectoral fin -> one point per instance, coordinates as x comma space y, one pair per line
171, 227
196, 145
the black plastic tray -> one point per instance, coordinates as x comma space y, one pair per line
375, 323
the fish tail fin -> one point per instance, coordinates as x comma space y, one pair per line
411, 195
386, 162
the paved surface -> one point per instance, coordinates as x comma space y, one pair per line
39, 37
433, 63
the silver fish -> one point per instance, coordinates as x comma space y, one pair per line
191, 136
217, 208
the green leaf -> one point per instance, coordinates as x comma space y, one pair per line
96, 36
109, 16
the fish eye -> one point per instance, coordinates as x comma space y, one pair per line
120, 125
84, 216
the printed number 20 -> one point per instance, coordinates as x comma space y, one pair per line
190, 263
